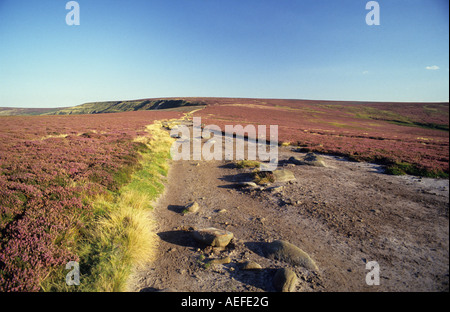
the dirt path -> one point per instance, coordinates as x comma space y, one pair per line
343, 216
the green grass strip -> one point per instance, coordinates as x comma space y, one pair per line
121, 237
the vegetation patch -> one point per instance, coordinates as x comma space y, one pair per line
54, 192
247, 164
126, 106
385, 133
120, 238
402, 168
263, 177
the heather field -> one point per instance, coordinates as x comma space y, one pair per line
409, 138
61, 175
51, 169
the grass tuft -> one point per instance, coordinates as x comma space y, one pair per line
263, 177
247, 164
402, 168
120, 237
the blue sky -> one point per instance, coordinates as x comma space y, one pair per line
303, 49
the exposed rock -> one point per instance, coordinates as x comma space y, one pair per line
251, 186
296, 160
287, 252
213, 237
248, 184
220, 261
192, 207
169, 290
283, 175
251, 265
314, 160
275, 189
285, 280
310, 159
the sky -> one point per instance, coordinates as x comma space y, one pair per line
290, 49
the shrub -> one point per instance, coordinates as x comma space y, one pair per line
263, 177
47, 186
248, 164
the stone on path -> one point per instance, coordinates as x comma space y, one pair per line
192, 207
285, 280
287, 252
283, 175
225, 260
248, 184
213, 237
251, 265
310, 159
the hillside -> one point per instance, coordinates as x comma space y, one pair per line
126, 106
14, 111
426, 115
76, 188
410, 138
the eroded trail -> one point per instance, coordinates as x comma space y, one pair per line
343, 215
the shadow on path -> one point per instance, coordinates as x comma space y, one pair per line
180, 238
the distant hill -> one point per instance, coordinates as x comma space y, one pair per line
14, 111
128, 106
427, 115
183, 104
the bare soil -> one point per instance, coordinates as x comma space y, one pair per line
343, 215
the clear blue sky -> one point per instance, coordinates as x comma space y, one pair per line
303, 49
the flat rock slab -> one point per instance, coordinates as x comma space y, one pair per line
248, 184
310, 159
213, 237
287, 252
225, 260
251, 265
285, 280
283, 175
192, 207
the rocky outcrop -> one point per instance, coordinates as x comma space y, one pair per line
192, 207
310, 159
289, 253
283, 175
213, 237
285, 280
